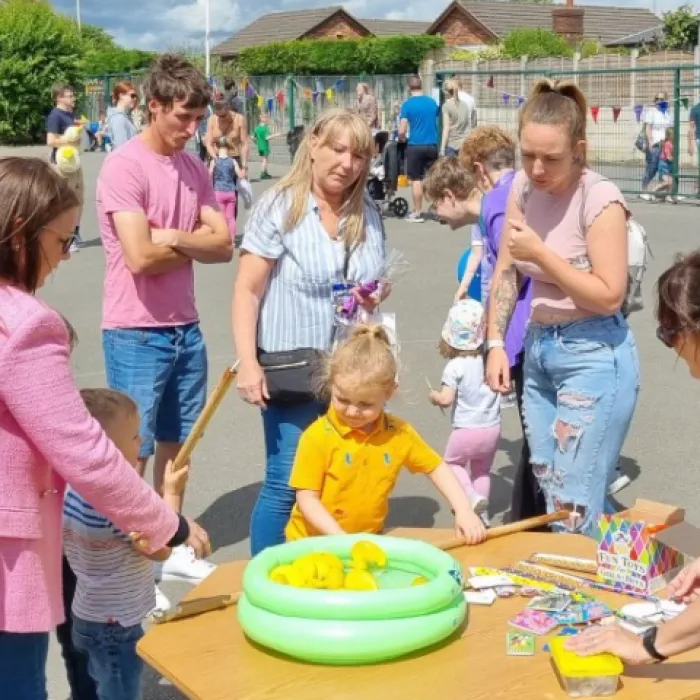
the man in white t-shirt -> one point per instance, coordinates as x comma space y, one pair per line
656, 120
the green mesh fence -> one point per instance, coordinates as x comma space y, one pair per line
618, 100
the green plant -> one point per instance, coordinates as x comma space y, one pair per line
535, 43
101, 54
38, 48
488, 53
387, 55
681, 28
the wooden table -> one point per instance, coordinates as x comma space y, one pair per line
209, 658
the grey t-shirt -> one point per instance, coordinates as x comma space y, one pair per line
458, 116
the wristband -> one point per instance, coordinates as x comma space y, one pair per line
181, 534
491, 344
649, 644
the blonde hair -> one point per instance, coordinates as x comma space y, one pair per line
299, 180
108, 405
367, 353
558, 103
451, 89
491, 146
448, 174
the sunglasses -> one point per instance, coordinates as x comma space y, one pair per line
667, 336
66, 245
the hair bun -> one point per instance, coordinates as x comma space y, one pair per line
374, 331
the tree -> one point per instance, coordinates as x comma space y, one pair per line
681, 28
535, 43
101, 54
38, 49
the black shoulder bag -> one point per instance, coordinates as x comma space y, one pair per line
289, 374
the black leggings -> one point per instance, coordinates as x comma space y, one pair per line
82, 687
527, 499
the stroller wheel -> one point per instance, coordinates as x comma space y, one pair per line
400, 207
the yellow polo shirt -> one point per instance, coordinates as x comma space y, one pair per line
355, 472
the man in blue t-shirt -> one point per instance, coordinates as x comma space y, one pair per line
694, 137
418, 121
59, 120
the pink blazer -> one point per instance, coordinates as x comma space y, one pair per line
48, 439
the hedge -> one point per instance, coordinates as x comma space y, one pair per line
376, 56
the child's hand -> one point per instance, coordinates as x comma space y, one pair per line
469, 526
174, 481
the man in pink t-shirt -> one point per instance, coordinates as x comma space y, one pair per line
157, 215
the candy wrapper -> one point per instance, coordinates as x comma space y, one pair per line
347, 309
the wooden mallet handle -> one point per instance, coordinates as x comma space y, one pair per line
213, 402
503, 530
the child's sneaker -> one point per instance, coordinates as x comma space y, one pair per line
265, 175
183, 565
481, 508
415, 217
620, 482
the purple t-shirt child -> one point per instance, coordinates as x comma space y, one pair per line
493, 214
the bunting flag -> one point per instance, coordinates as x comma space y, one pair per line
521, 100
638, 109
594, 112
340, 84
314, 96
329, 94
616, 113
506, 98
319, 86
249, 92
307, 93
489, 82
270, 104
280, 98
244, 83
685, 102
261, 101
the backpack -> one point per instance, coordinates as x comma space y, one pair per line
638, 254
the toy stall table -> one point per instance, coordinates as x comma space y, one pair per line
207, 657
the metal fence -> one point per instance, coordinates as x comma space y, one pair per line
618, 100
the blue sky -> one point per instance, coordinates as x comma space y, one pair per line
161, 24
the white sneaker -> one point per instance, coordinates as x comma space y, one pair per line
162, 602
647, 197
481, 508
619, 483
415, 217
183, 565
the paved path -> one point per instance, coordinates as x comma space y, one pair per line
661, 453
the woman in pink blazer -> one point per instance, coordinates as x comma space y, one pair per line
47, 437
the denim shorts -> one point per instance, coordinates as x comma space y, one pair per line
665, 168
164, 370
580, 391
111, 657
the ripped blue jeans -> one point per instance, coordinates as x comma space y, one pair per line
580, 391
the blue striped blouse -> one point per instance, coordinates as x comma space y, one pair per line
296, 309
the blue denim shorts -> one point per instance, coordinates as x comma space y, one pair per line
665, 168
165, 371
111, 657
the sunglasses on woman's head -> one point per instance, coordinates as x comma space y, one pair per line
666, 336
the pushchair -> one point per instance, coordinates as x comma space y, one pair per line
294, 139
384, 173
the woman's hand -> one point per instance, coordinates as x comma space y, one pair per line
469, 526
251, 384
524, 244
498, 370
686, 586
614, 640
434, 397
198, 540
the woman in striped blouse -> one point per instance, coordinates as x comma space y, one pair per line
301, 236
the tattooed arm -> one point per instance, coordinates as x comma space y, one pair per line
505, 287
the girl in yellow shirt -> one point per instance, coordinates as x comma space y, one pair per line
348, 460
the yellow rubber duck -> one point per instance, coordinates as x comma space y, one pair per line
366, 555
287, 575
359, 580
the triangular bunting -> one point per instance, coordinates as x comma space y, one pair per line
329, 94
594, 113
616, 113
490, 82
521, 100
685, 102
638, 109
506, 98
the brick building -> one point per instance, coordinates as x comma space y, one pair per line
465, 23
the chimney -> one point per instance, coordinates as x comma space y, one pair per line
567, 20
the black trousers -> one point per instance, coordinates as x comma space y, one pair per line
527, 500
82, 687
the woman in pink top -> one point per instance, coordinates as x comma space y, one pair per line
566, 229
47, 437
